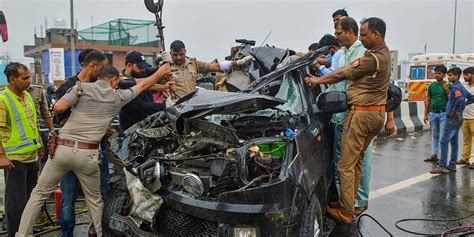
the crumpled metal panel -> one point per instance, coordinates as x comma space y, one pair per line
155, 132
204, 102
223, 102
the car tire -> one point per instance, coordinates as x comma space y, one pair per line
118, 201
312, 219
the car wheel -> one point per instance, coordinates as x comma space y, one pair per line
118, 201
312, 219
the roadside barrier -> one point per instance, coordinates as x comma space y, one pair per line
409, 118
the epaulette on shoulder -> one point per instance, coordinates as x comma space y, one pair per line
371, 53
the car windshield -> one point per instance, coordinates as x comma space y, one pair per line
289, 91
417, 72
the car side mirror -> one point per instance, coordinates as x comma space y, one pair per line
331, 102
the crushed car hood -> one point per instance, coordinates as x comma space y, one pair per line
295, 63
205, 102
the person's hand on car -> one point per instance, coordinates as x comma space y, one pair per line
312, 80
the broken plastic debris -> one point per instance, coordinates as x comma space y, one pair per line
289, 132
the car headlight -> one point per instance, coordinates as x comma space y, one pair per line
248, 231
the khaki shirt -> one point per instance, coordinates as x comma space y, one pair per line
42, 111
185, 76
368, 84
6, 127
93, 111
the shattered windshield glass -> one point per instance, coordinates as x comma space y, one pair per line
289, 92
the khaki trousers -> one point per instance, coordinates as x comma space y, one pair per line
85, 164
360, 127
468, 132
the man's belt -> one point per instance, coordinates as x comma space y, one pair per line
380, 108
80, 145
437, 111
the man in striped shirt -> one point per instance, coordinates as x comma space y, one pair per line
20, 163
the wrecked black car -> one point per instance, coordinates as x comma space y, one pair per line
253, 163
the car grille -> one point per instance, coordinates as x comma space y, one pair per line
173, 223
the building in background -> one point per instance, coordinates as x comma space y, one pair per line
59, 23
52, 54
394, 73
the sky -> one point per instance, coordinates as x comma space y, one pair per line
209, 27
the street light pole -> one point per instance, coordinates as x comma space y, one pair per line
73, 39
454, 32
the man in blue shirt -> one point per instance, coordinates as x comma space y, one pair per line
330, 62
454, 109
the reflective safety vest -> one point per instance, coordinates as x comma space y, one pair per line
23, 139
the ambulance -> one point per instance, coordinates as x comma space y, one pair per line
421, 71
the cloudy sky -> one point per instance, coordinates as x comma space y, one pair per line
210, 27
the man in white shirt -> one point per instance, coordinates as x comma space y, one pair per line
468, 123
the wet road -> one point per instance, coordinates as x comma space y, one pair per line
401, 188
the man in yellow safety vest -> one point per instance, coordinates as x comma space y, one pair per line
20, 143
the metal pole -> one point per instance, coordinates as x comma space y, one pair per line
454, 32
92, 27
73, 39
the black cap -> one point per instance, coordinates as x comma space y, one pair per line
137, 58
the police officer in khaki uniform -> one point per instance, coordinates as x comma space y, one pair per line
367, 94
94, 107
42, 111
43, 115
185, 70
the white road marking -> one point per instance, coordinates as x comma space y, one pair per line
402, 184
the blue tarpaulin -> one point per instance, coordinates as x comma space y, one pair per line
45, 59
67, 61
